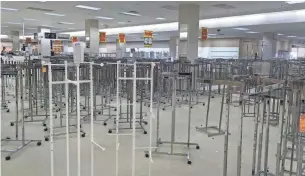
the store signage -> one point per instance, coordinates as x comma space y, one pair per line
48, 35
103, 37
63, 36
148, 38
204, 33
74, 39
302, 123
122, 38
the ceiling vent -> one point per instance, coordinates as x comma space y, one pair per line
40, 9
224, 6
169, 7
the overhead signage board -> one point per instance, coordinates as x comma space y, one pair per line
48, 35
63, 36
148, 38
204, 33
103, 38
122, 38
302, 123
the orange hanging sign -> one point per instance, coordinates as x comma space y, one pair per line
103, 37
302, 123
122, 38
204, 33
44, 69
148, 34
74, 39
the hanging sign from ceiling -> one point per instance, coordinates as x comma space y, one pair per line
148, 38
302, 123
204, 33
122, 38
74, 39
103, 37
28, 40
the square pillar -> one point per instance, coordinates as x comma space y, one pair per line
45, 44
92, 35
189, 28
173, 41
269, 45
14, 35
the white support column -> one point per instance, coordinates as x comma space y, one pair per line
269, 45
92, 35
45, 44
14, 35
173, 41
120, 49
189, 25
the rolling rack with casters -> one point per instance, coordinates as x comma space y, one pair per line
16, 72
174, 76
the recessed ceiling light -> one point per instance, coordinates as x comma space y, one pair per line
160, 18
105, 18
252, 32
65, 23
47, 26
121, 22
54, 14
9, 9
212, 34
31, 28
130, 13
291, 36
71, 28
29, 19
294, 2
87, 7
13, 23
279, 34
242, 29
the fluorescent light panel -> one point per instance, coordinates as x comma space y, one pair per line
280, 34
212, 34
291, 36
241, 29
13, 23
294, 2
4, 26
104, 18
121, 22
66, 23
160, 18
129, 13
252, 32
54, 14
9, 9
87, 7
29, 19
31, 28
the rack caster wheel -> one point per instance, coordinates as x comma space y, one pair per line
110, 131
281, 102
84, 108
148, 106
41, 107
44, 124
8, 110
163, 109
145, 132
137, 101
7, 138
39, 143
191, 107
212, 97
197, 147
178, 100
145, 123
189, 162
7, 158
99, 112
55, 117
203, 104
146, 155
46, 139
9, 102
253, 172
114, 109
26, 116
105, 124
268, 101
111, 100
84, 135
12, 124
55, 104
5, 106
46, 129
240, 102
65, 104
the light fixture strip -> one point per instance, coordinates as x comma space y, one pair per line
131, 14
9, 9
87, 7
55, 14
105, 18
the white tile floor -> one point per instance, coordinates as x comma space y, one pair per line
207, 161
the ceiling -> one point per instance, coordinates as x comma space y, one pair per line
149, 11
